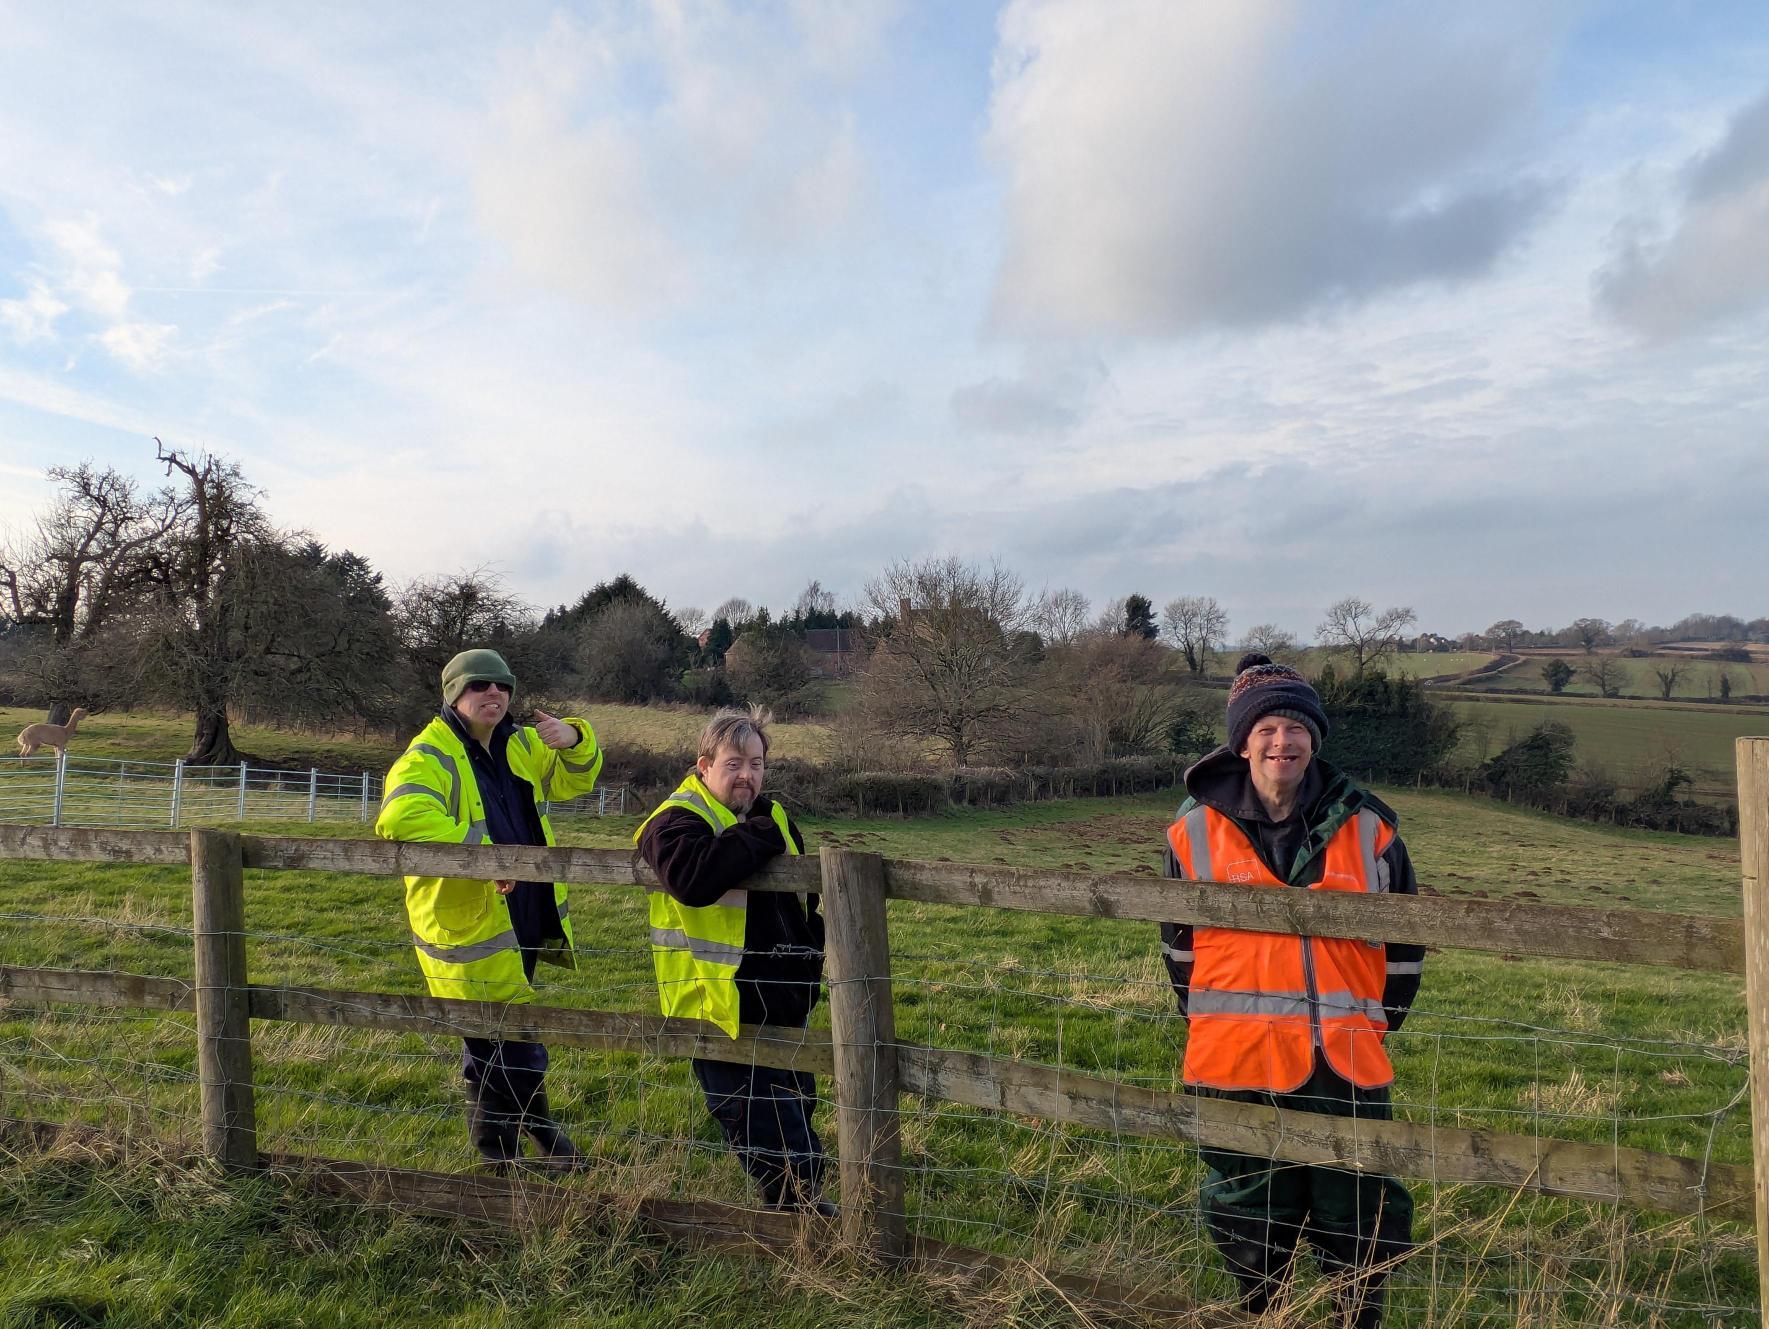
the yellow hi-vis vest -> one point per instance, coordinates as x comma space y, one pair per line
696, 951
461, 928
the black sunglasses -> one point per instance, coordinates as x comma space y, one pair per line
481, 684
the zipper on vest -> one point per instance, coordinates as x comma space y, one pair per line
1314, 995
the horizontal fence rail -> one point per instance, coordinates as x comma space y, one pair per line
869, 1065
1562, 932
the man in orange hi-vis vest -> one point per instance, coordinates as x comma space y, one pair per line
1291, 1022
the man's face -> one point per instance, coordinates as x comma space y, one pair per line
483, 703
1278, 751
734, 774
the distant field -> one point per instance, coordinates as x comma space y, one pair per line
151, 736
1626, 737
1409, 665
1701, 681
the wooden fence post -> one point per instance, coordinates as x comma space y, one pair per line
864, 1034
1753, 846
224, 1027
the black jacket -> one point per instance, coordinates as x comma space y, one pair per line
1222, 781
782, 937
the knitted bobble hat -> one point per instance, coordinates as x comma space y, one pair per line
1263, 688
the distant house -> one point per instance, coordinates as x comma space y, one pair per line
1431, 641
831, 652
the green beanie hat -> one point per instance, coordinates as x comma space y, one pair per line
472, 667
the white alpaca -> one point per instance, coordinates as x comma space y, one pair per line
43, 735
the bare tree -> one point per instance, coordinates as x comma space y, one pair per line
1271, 640
1590, 633
1353, 626
439, 617
1505, 634
814, 603
1668, 672
736, 611
956, 665
1059, 616
88, 556
692, 620
1196, 625
219, 527
1607, 673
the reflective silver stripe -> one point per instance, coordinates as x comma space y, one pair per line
1406, 966
1375, 874
564, 908
476, 834
1197, 834
579, 767
1338, 1005
688, 798
1215, 1001
1334, 1005
1178, 957
401, 791
737, 898
478, 950
709, 952
454, 775
522, 737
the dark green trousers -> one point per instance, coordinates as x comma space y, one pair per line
1258, 1210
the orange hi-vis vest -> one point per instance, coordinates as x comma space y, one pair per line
1262, 1003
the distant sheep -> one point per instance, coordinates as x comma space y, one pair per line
42, 735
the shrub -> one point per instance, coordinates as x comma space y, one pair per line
879, 792
988, 786
1535, 764
1385, 728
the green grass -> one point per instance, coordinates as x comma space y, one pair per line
1700, 680
1628, 739
1644, 1057
155, 736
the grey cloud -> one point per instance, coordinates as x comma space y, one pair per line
1713, 263
1168, 170
1049, 396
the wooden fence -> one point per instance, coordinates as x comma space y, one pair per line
870, 1068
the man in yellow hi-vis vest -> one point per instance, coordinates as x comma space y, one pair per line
730, 956
475, 776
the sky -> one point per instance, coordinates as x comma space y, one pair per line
1458, 307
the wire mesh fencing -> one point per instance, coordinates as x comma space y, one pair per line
1615, 1059
66, 790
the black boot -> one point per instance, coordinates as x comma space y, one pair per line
558, 1153
495, 1133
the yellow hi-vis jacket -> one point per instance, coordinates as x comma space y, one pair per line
461, 928
696, 951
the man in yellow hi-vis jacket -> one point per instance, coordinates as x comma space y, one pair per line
475, 776
731, 956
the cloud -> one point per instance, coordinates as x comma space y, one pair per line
1048, 397
633, 164
93, 269
140, 346
1714, 263
32, 318
1170, 168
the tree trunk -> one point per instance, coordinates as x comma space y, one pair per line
212, 745
59, 711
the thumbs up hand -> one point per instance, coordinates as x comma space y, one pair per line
555, 733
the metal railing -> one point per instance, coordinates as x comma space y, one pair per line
105, 791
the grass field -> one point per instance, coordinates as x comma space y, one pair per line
1628, 739
1699, 682
1639, 1056
152, 736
